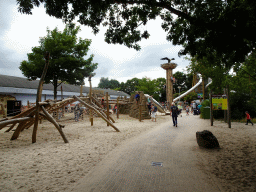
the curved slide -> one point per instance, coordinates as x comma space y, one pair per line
191, 89
158, 105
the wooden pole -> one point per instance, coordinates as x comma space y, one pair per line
18, 130
62, 98
28, 104
211, 110
3, 111
229, 110
90, 95
11, 127
117, 109
39, 94
12, 121
81, 90
107, 107
203, 89
140, 106
53, 121
225, 111
102, 116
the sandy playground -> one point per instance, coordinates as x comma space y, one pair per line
51, 165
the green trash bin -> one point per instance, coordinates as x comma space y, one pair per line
207, 112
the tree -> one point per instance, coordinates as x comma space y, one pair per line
130, 85
211, 67
180, 79
148, 86
202, 27
105, 83
161, 88
66, 62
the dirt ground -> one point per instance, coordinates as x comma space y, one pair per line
52, 165
234, 165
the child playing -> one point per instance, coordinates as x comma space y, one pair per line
248, 117
187, 110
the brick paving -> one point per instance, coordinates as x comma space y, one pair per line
129, 168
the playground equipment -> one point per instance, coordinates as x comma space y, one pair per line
139, 109
158, 105
43, 109
190, 90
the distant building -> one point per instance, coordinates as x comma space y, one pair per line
24, 90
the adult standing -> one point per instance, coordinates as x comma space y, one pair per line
174, 114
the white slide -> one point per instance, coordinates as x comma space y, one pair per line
191, 89
158, 105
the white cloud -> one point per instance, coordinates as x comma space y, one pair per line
22, 32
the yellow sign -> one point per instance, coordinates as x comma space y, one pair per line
219, 103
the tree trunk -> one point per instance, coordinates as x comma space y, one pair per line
55, 85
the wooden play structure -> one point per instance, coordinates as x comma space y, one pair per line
44, 109
139, 110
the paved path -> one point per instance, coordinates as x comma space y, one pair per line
129, 167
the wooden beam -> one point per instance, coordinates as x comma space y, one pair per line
91, 107
107, 107
11, 127
53, 121
117, 108
39, 94
18, 130
12, 121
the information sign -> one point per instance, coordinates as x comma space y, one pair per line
219, 102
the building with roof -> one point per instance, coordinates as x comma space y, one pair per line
24, 90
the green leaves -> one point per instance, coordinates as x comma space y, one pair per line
67, 57
226, 28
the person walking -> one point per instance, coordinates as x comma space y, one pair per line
154, 110
174, 114
248, 118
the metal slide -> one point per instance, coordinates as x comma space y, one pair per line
191, 89
158, 105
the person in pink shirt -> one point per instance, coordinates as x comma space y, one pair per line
248, 117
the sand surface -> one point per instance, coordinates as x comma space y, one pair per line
51, 165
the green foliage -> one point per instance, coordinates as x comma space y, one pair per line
105, 83
210, 66
205, 103
160, 89
147, 86
190, 97
130, 86
66, 62
202, 27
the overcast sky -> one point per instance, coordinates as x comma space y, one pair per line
20, 32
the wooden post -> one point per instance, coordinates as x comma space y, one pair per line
107, 107
229, 110
203, 88
3, 111
102, 116
90, 96
53, 121
225, 111
211, 111
140, 106
28, 104
39, 94
63, 108
117, 109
